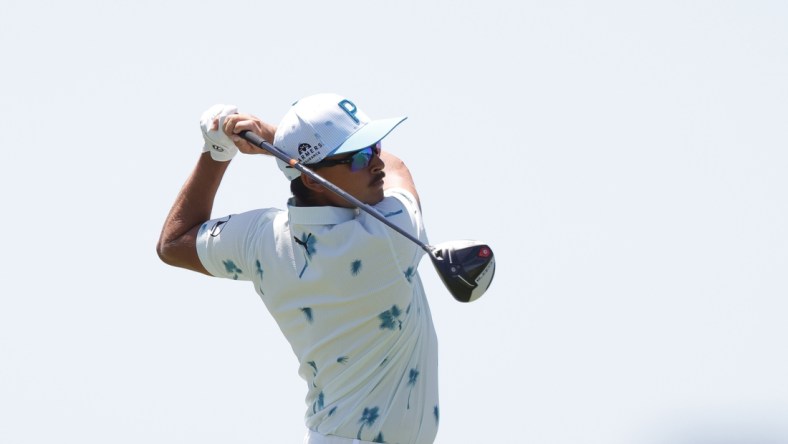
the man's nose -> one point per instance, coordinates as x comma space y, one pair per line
377, 163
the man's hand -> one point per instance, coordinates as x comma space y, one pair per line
221, 124
236, 123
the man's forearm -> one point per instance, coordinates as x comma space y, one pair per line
192, 207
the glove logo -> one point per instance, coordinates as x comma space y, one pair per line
218, 148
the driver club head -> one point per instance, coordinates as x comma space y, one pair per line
466, 267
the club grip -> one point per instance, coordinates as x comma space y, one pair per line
259, 142
252, 138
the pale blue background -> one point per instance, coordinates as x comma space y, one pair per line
626, 160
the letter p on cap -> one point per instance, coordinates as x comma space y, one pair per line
349, 108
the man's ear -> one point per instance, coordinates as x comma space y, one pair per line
311, 184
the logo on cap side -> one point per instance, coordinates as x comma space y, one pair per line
307, 152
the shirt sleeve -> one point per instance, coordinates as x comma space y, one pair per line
225, 245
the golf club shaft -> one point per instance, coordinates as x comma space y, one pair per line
258, 141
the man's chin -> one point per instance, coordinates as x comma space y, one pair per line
376, 199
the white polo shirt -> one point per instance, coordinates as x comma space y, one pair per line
345, 291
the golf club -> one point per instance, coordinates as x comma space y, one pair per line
466, 267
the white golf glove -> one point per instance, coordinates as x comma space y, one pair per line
217, 143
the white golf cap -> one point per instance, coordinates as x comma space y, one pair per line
323, 125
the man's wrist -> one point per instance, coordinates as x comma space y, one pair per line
206, 158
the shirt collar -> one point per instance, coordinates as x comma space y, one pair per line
320, 215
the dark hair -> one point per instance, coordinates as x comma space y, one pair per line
303, 195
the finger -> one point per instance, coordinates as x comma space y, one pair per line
229, 124
247, 125
235, 123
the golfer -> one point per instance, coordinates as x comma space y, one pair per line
343, 288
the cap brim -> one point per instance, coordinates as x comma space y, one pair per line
368, 135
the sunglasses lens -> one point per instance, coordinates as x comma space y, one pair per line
361, 159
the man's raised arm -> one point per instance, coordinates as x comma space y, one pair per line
177, 245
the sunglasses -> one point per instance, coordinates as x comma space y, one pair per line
358, 160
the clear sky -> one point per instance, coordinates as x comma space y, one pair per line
626, 161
